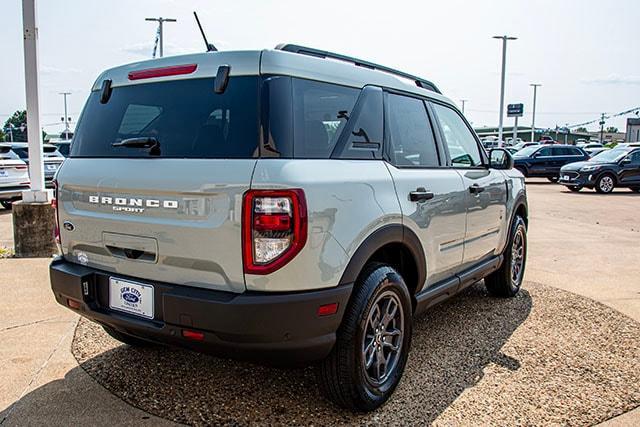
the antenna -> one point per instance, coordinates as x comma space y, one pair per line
210, 46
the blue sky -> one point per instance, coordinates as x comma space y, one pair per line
584, 52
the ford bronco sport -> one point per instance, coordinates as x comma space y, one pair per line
290, 205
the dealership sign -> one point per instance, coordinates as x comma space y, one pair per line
515, 110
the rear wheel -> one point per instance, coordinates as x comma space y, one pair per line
126, 339
373, 342
506, 281
605, 184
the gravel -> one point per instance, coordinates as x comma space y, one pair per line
544, 357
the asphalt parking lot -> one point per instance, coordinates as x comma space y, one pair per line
548, 356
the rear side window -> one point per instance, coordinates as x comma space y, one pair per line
411, 140
546, 151
320, 112
462, 145
186, 116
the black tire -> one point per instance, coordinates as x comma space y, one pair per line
6, 204
127, 339
523, 170
553, 179
502, 283
575, 188
605, 183
343, 376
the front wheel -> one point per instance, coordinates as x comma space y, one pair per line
373, 342
506, 281
605, 184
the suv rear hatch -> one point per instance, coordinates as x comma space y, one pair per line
169, 210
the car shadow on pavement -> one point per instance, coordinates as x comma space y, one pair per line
452, 345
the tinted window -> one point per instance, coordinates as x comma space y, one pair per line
364, 130
410, 133
575, 152
320, 112
463, 149
546, 151
7, 153
635, 157
186, 116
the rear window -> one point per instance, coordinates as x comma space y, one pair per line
7, 154
186, 117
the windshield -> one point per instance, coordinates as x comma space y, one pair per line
527, 152
186, 117
610, 155
7, 154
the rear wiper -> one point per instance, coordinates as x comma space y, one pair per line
149, 142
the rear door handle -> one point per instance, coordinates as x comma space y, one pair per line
475, 189
420, 194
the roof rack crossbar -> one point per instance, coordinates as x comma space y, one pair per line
420, 82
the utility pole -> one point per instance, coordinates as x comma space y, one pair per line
66, 118
533, 118
602, 129
33, 218
504, 65
160, 21
463, 102
32, 85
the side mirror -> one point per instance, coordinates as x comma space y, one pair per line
625, 160
499, 158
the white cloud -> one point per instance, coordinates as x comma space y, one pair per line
146, 49
614, 79
46, 69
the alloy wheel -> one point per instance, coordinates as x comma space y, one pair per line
383, 337
517, 256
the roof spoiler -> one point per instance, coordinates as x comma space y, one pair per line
302, 50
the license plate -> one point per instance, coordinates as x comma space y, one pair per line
4, 172
131, 297
566, 178
52, 167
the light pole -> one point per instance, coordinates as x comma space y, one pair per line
533, 118
504, 66
65, 119
463, 101
160, 21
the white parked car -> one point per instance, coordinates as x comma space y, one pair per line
14, 176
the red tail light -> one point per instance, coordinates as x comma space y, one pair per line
54, 205
193, 335
274, 228
20, 168
162, 71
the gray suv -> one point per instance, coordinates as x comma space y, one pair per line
288, 205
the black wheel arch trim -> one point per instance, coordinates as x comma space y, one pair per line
390, 233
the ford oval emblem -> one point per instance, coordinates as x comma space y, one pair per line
68, 226
129, 297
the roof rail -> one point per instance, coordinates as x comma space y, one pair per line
420, 82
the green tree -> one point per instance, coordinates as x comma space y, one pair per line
611, 129
18, 122
581, 129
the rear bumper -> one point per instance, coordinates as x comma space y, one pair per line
281, 328
7, 193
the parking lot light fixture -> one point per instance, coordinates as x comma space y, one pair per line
502, 80
533, 117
